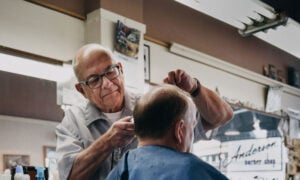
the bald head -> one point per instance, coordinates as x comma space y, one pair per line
90, 52
157, 112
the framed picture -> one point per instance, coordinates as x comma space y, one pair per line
127, 40
48, 155
272, 71
12, 160
294, 77
146, 62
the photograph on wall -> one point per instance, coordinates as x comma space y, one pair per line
146, 62
274, 98
49, 157
127, 40
12, 160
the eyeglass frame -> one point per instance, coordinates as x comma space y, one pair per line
100, 76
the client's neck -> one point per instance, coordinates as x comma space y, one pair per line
158, 142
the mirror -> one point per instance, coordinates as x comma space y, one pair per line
249, 146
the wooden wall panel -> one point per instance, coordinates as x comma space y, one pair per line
132, 9
28, 97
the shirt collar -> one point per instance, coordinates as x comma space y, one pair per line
92, 113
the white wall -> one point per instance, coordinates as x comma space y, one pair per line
290, 101
25, 136
38, 30
235, 83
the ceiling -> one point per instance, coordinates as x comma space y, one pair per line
236, 13
291, 7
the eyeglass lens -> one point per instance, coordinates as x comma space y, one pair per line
95, 81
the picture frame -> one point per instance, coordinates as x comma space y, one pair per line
294, 77
127, 40
274, 98
12, 160
272, 72
48, 154
146, 62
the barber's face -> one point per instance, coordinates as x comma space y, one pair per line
110, 94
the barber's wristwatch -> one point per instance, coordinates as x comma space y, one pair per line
195, 92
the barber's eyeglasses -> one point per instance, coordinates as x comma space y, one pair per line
95, 81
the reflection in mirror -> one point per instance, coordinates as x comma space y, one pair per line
248, 124
249, 146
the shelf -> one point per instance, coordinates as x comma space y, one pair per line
230, 68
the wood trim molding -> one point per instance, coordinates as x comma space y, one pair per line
19, 53
57, 8
156, 41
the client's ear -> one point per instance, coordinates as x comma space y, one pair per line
179, 131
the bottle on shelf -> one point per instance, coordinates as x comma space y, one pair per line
19, 173
6, 175
40, 173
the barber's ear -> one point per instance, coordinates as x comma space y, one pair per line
79, 89
179, 131
120, 67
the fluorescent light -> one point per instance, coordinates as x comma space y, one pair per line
250, 29
255, 15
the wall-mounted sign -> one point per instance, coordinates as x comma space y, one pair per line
254, 155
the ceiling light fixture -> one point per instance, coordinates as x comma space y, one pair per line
265, 24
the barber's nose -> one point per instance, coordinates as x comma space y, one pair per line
106, 82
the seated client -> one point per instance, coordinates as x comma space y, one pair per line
164, 120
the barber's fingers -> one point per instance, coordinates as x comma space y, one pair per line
175, 77
125, 119
129, 126
178, 78
170, 79
125, 123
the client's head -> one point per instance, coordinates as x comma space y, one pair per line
166, 116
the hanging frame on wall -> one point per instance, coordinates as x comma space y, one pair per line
146, 62
12, 160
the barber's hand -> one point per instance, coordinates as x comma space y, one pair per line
121, 132
181, 79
